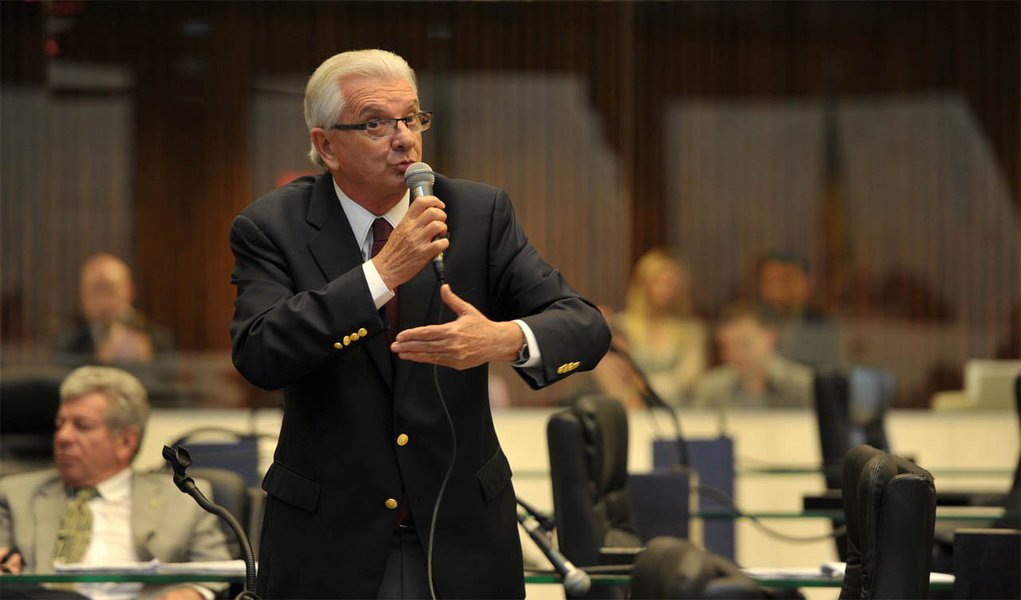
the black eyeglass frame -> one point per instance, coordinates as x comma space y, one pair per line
408, 121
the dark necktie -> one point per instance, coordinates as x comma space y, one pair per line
380, 234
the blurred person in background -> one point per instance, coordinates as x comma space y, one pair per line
658, 328
805, 334
93, 508
111, 330
753, 374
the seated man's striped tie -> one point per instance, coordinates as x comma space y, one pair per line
75, 528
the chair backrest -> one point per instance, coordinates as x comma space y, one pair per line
223, 448
28, 405
890, 512
675, 569
850, 409
1012, 501
588, 446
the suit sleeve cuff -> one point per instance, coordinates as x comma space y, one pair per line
380, 293
534, 357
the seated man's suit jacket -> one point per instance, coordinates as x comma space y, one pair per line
361, 426
166, 525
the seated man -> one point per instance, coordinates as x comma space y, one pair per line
752, 373
112, 331
93, 508
805, 333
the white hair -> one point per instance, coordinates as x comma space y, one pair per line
127, 401
324, 94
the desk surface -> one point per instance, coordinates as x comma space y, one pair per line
531, 577
963, 514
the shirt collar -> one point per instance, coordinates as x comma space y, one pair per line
117, 487
361, 219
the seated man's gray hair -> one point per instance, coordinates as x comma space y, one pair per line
128, 402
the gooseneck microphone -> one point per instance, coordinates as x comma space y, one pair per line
576, 581
653, 400
420, 179
180, 459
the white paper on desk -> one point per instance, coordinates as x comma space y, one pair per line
783, 573
836, 569
209, 567
116, 567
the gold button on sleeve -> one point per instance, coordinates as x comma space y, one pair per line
354, 337
402, 439
362, 332
347, 340
391, 503
338, 345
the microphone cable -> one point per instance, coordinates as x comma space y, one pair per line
721, 496
453, 449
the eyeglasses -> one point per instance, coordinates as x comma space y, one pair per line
383, 128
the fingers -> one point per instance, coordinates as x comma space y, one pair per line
427, 213
418, 238
426, 204
426, 333
11, 563
454, 302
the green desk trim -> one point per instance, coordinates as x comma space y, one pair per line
531, 577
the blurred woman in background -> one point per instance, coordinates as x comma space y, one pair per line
658, 328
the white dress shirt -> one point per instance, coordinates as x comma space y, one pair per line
111, 541
361, 221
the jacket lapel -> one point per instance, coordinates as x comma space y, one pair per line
49, 511
147, 507
335, 251
417, 302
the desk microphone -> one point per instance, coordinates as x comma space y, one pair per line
180, 459
576, 582
420, 178
654, 400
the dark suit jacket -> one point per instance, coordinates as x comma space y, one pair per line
305, 321
75, 347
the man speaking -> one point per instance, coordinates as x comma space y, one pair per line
388, 479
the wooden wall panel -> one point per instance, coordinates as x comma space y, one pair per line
195, 68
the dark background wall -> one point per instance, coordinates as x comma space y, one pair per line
192, 68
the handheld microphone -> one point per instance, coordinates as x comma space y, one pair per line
576, 582
420, 179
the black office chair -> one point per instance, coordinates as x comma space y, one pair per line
225, 448
674, 569
890, 511
28, 405
588, 447
850, 409
1012, 501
